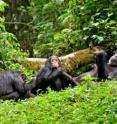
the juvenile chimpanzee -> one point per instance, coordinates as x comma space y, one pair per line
52, 75
13, 86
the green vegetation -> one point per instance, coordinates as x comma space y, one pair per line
91, 103
69, 25
9, 48
43, 27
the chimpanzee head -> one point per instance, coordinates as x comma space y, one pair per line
53, 62
20, 74
23, 76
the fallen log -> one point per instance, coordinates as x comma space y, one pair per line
69, 62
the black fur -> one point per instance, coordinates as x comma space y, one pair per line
56, 78
101, 62
12, 85
102, 70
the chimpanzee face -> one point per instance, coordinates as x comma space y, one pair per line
54, 61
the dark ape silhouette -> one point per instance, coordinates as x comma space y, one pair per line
92, 73
102, 70
106, 70
112, 67
101, 62
52, 75
13, 86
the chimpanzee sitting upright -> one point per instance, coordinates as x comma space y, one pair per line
52, 75
12, 86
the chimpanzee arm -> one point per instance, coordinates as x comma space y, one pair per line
68, 78
19, 84
48, 74
41, 74
55, 73
30, 85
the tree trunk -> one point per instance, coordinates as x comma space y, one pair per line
69, 62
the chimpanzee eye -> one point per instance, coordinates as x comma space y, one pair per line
54, 60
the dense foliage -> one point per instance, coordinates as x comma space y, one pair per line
60, 27
66, 26
9, 48
92, 102
63, 26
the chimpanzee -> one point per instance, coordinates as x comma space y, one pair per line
106, 70
92, 73
113, 61
52, 75
112, 67
101, 62
102, 70
13, 86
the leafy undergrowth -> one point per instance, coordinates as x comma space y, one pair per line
92, 102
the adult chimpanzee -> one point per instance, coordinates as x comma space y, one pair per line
106, 70
112, 67
113, 61
13, 86
52, 75
102, 70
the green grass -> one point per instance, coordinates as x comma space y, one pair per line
91, 103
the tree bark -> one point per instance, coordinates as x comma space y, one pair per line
69, 62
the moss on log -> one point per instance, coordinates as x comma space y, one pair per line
69, 62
